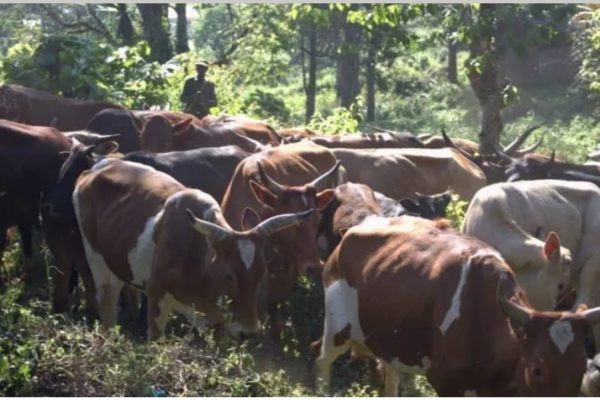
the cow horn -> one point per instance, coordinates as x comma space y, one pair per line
321, 182
269, 183
512, 310
282, 221
531, 148
518, 142
208, 229
502, 154
424, 136
88, 150
593, 315
451, 144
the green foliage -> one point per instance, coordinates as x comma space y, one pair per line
456, 211
79, 68
341, 120
266, 105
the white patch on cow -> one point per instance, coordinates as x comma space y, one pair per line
102, 163
470, 393
561, 333
108, 286
247, 249
140, 257
454, 311
420, 369
374, 222
341, 305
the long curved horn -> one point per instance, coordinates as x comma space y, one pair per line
593, 315
531, 148
450, 143
514, 311
502, 154
269, 183
321, 182
88, 150
210, 230
518, 142
282, 221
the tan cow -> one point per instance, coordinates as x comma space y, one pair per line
425, 299
367, 140
285, 179
508, 216
136, 231
401, 173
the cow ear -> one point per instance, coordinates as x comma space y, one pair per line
409, 205
64, 155
263, 194
250, 219
324, 198
182, 126
552, 247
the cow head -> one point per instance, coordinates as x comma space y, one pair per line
546, 275
553, 359
297, 245
428, 206
80, 158
158, 134
530, 167
240, 262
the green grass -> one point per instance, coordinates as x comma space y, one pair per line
47, 354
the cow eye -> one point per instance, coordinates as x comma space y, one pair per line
537, 373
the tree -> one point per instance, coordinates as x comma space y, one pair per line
156, 32
125, 30
181, 39
348, 60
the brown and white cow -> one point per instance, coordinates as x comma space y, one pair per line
285, 179
401, 173
425, 299
136, 230
510, 216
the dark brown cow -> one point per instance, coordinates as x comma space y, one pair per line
136, 230
29, 165
35, 107
424, 299
368, 140
355, 203
402, 173
285, 179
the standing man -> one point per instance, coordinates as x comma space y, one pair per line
198, 94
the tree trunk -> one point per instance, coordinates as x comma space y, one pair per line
155, 26
181, 41
485, 83
311, 87
452, 69
371, 78
125, 30
349, 65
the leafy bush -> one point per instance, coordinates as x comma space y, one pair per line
265, 105
342, 120
84, 69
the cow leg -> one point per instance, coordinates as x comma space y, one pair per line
108, 295
130, 300
26, 234
275, 325
159, 308
391, 380
191, 315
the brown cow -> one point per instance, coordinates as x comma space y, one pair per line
35, 107
29, 165
136, 231
368, 140
159, 134
285, 179
424, 299
401, 173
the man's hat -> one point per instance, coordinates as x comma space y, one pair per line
202, 64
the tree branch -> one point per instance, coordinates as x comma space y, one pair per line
78, 26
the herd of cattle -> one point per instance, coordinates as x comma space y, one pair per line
193, 211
